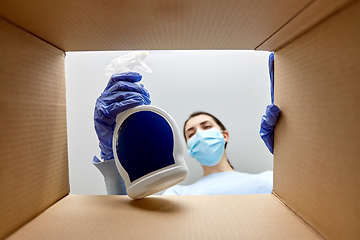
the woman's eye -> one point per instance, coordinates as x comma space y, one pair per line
190, 135
207, 127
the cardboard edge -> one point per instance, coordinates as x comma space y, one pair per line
267, 44
277, 197
27, 31
38, 215
52, 211
283, 26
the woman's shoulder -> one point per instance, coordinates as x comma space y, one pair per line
174, 190
268, 173
234, 173
230, 182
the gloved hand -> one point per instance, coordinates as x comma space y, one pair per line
120, 94
272, 113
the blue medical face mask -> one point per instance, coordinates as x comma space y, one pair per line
207, 146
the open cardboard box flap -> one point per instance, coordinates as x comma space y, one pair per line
316, 167
167, 217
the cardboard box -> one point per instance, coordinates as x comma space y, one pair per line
316, 162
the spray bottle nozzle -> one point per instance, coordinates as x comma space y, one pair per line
127, 63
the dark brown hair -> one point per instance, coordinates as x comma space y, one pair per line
217, 121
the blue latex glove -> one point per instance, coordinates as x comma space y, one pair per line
120, 94
272, 113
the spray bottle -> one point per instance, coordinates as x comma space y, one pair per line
147, 143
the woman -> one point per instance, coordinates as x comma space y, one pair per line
207, 139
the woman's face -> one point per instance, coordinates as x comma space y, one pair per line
202, 122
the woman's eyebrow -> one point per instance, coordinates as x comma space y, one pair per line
190, 129
204, 122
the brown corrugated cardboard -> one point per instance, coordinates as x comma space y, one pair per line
317, 149
88, 25
33, 166
167, 217
317, 88
311, 15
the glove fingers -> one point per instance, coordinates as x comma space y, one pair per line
105, 119
105, 136
267, 125
106, 108
128, 87
272, 114
115, 97
269, 141
271, 73
272, 108
133, 101
126, 76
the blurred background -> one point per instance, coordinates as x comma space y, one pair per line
233, 85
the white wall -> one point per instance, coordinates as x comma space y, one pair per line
232, 85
